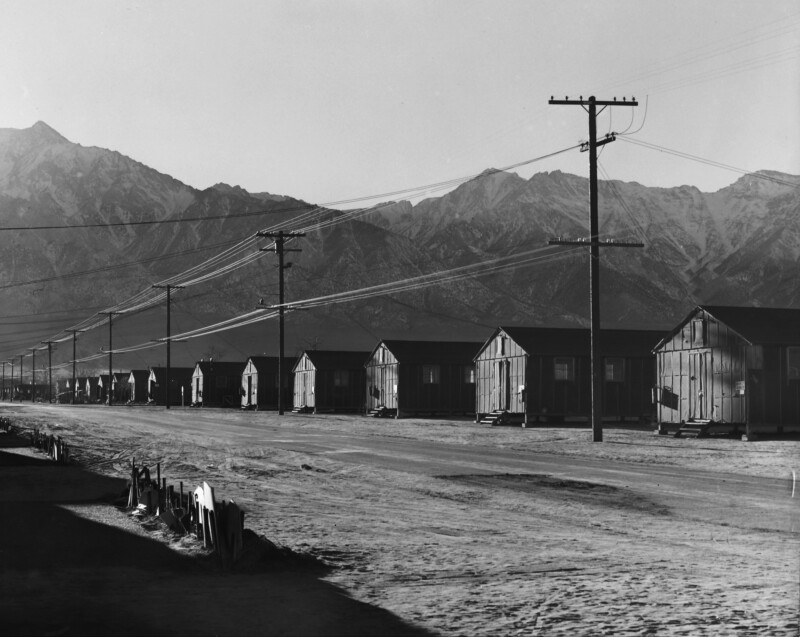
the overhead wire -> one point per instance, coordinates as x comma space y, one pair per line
483, 268
734, 68
148, 298
635, 225
708, 51
708, 162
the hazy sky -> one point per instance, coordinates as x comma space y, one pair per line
328, 100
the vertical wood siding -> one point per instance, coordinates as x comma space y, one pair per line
259, 384
400, 386
524, 383
703, 374
382, 380
499, 376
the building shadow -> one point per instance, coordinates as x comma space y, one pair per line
64, 571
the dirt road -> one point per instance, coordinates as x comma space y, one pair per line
460, 529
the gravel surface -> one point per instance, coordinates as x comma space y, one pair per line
407, 550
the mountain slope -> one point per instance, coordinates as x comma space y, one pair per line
739, 245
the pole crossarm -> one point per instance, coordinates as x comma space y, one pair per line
280, 234
610, 137
585, 102
606, 243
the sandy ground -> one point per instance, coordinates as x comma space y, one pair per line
375, 551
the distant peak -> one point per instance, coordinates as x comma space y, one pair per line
497, 171
46, 133
223, 187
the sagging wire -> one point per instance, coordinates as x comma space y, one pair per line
708, 162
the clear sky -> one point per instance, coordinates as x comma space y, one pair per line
326, 100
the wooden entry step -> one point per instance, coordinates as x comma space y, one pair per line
695, 428
497, 417
303, 410
381, 412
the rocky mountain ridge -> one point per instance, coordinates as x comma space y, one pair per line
739, 245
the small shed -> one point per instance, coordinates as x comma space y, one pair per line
138, 385
27, 391
81, 387
216, 384
119, 387
103, 387
63, 395
331, 381
94, 391
730, 369
180, 385
416, 377
543, 374
259, 383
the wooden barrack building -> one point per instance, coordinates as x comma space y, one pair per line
421, 377
216, 384
138, 385
331, 381
533, 375
730, 369
259, 382
180, 385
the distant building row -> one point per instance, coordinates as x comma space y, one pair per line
721, 366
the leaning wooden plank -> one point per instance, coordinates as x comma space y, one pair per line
212, 514
200, 516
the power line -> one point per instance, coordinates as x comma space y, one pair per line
153, 222
116, 266
146, 299
722, 47
427, 280
708, 162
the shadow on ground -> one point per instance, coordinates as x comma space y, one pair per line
72, 564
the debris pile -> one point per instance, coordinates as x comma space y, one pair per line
218, 524
52, 445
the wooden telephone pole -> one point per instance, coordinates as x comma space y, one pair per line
280, 239
594, 247
49, 370
168, 287
74, 339
33, 375
110, 348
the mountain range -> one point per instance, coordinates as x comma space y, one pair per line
737, 246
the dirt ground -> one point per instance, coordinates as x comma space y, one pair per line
364, 550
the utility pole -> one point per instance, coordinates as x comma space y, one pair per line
49, 370
11, 393
21, 357
280, 239
33, 375
110, 373
594, 259
3, 388
169, 376
74, 339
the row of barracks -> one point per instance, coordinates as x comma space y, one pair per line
721, 368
